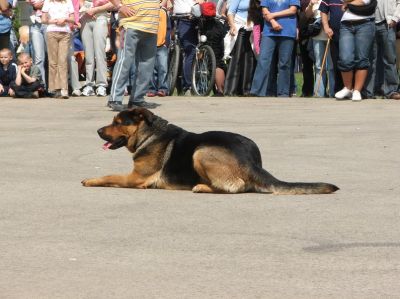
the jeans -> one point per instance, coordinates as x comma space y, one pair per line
383, 62
159, 80
327, 82
138, 48
355, 44
284, 45
188, 37
38, 39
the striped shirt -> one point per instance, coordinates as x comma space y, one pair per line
146, 17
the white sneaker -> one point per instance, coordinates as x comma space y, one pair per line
88, 91
344, 93
76, 93
356, 97
188, 93
64, 93
101, 91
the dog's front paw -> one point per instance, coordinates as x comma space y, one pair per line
89, 182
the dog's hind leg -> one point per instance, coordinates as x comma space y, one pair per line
219, 170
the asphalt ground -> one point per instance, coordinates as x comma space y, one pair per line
61, 240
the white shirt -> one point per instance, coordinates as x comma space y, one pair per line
58, 10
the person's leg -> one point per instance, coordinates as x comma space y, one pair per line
320, 78
370, 82
307, 69
89, 46
39, 47
100, 32
363, 45
52, 46
334, 51
285, 48
346, 61
162, 70
188, 39
73, 69
387, 41
64, 44
260, 79
145, 56
122, 68
330, 76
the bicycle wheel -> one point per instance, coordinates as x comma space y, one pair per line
203, 71
173, 67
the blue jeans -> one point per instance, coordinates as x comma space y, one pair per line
284, 45
383, 71
327, 82
188, 38
355, 43
38, 39
139, 48
159, 80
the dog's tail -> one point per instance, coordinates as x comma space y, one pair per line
265, 182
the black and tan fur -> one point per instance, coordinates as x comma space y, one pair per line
168, 157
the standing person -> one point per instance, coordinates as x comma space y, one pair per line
94, 33
58, 15
355, 43
8, 72
280, 30
331, 15
38, 37
242, 64
158, 83
5, 24
325, 81
188, 37
387, 15
306, 54
139, 22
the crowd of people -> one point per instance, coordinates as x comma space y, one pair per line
345, 48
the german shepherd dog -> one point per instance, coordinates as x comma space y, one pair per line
168, 157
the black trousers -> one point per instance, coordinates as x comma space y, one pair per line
239, 75
25, 90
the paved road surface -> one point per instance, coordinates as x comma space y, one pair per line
61, 240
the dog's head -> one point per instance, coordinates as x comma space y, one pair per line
122, 130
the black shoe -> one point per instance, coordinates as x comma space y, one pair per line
144, 104
218, 94
115, 106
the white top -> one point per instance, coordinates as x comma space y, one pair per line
349, 16
58, 10
317, 15
183, 6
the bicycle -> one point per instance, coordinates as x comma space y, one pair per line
204, 63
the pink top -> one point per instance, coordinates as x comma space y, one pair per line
257, 38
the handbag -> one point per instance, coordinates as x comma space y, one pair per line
363, 10
312, 29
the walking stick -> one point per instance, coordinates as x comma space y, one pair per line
322, 67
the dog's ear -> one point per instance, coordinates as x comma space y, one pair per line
146, 115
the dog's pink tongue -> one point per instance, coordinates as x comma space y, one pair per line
107, 145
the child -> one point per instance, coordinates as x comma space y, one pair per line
59, 15
8, 72
158, 84
29, 80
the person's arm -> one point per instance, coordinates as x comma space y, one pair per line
28, 79
122, 9
325, 24
292, 10
18, 79
233, 6
309, 11
275, 25
98, 9
4, 5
